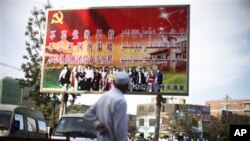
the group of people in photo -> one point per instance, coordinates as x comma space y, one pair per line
90, 78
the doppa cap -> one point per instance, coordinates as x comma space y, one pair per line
122, 78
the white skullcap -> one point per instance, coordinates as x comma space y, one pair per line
122, 78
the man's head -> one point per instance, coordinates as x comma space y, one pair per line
65, 66
142, 135
122, 81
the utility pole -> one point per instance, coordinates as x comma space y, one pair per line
227, 98
159, 100
63, 105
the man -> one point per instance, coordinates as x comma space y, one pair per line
109, 114
158, 81
89, 75
64, 77
140, 80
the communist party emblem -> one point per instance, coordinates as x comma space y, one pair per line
57, 18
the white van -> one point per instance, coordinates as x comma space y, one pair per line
21, 122
74, 127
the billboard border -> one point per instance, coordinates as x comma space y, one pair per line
43, 90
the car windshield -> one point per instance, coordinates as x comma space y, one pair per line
5, 117
74, 127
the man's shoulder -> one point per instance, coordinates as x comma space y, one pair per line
114, 96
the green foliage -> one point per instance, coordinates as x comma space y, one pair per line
217, 126
33, 60
213, 128
75, 109
46, 107
239, 119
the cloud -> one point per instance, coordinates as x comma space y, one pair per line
218, 36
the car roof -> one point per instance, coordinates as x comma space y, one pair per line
21, 109
8, 107
73, 115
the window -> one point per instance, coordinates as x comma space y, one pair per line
130, 118
19, 118
163, 109
5, 117
74, 125
151, 122
151, 109
42, 127
141, 122
141, 108
247, 106
31, 124
225, 106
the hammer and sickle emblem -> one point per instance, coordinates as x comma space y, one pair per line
57, 18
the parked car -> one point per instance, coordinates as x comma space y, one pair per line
21, 122
74, 127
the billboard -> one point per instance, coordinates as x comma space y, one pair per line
84, 48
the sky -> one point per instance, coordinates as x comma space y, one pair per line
219, 61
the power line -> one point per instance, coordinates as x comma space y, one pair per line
10, 57
6, 65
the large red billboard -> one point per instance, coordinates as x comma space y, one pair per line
85, 48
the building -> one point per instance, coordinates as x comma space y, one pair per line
240, 106
146, 113
173, 108
173, 55
145, 119
172, 115
11, 93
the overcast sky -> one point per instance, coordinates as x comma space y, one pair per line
219, 44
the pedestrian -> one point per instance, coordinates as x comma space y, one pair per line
141, 137
218, 138
109, 114
158, 80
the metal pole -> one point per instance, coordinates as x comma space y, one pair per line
201, 126
249, 117
227, 110
21, 100
227, 98
172, 130
158, 112
63, 105
54, 113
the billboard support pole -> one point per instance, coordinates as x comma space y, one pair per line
159, 100
63, 105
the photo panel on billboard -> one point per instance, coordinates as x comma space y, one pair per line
85, 48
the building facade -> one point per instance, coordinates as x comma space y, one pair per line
11, 93
240, 106
173, 108
131, 125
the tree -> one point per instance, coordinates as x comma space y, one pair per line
214, 127
77, 108
33, 60
34, 31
